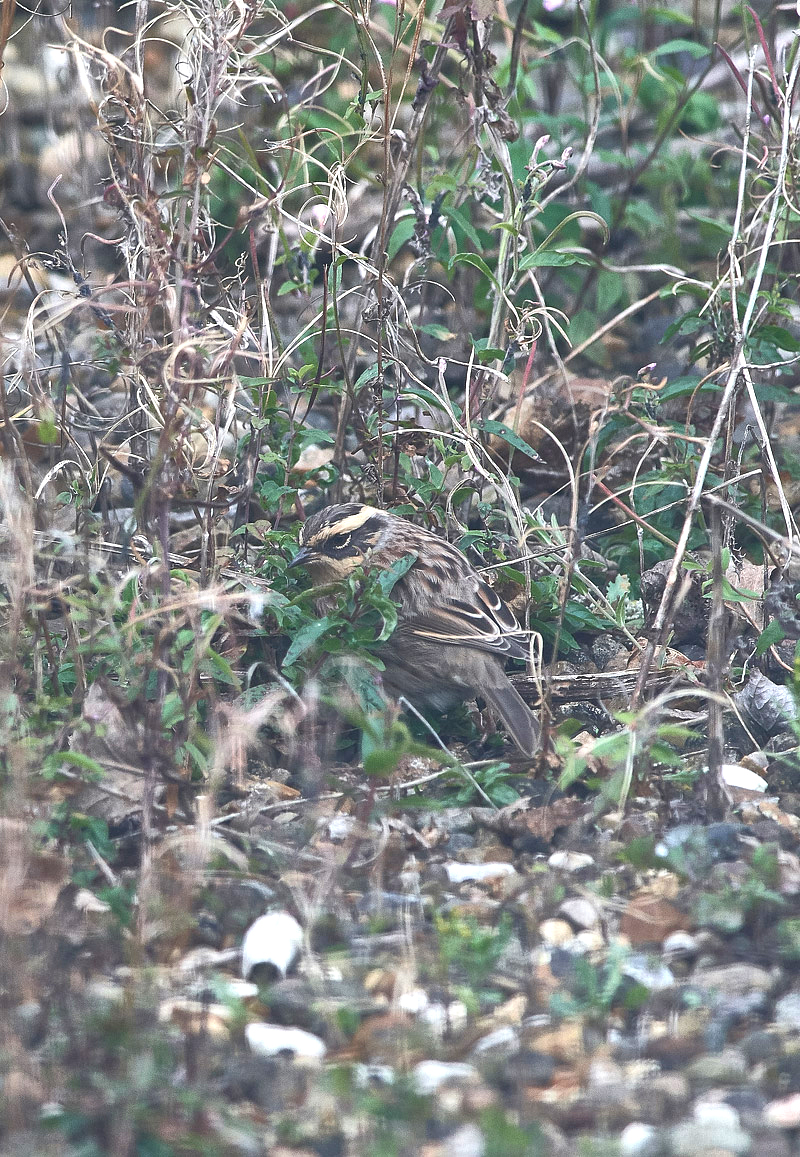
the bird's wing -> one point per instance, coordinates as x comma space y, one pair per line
483, 622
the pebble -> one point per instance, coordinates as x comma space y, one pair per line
611, 821
726, 1067
29, 1018
760, 1045
468, 1141
445, 1018
502, 1040
86, 901
588, 940
269, 1040
556, 933
736, 775
787, 1011
784, 1113
342, 827
414, 1001
458, 873
757, 761
429, 1076
580, 912
716, 1113
733, 979
749, 1103
640, 1140
101, 993
649, 972
673, 1087
272, 942
529, 1067
680, 945
570, 861
366, 1075
693, 1138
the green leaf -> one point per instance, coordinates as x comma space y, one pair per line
486, 353
712, 223
369, 375
306, 637
53, 764
440, 332
476, 261
172, 710
388, 577
220, 668
402, 232
778, 336
465, 224
620, 588
492, 426
683, 386
47, 432
610, 289
382, 761
388, 611
773, 634
691, 47
552, 258
423, 394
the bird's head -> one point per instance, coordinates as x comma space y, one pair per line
336, 540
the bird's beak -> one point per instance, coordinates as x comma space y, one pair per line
301, 558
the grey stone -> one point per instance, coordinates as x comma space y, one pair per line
727, 1067
787, 1011
733, 979
692, 1138
640, 1140
580, 912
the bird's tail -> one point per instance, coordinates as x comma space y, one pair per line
518, 719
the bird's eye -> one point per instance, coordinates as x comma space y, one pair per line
340, 540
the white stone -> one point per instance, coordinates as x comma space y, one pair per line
341, 827
240, 989
502, 1039
444, 1018
636, 1138
556, 933
588, 940
580, 912
366, 1075
467, 1141
679, 945
86, 901
428, 1076
570, 861
784, 1113
459, 873
734, 775
274, 939
648, 971
716, 1113
414, 1001
270, 1040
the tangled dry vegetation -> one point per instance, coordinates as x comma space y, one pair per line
526, 274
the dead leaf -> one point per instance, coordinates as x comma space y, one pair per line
649, 919
542, 822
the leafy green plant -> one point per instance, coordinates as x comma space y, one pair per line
595, 988
639, 748
494, 782
755, 899
469, 951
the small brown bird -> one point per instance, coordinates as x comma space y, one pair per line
453, 633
